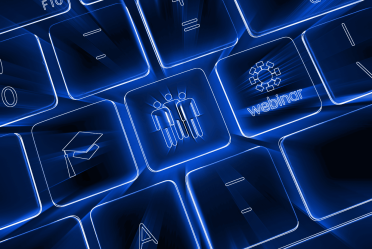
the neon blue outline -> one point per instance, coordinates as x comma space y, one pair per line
318, 69
197, 210
126, 138
179, 196
187, 60
99, 90
33, 183
325, 231
71, 216
290, 25
55, 103
42, 19
282, 149
228, 100
135, 131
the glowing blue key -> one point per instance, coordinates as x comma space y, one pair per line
329, 163
266, 16
241, 201
268, 87
340, 50
154, 217
98, 51
79, 151
19, 196
176, 120
181, 31
26, 88
64, 233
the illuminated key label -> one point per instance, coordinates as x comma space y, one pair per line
268, 87
275, 102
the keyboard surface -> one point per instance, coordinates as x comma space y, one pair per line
146, 124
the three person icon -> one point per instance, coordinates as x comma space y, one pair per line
177, 118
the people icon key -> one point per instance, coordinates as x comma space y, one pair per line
189, 114
180, 127
163, 121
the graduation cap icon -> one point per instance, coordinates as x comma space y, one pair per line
83, 145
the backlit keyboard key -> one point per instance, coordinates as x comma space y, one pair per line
154, 217
241, 200
177, 119
19, 196
26, 87
61, 234
98, 51
79, 152
181, 31
20, 13
330, 163
341, 52
267, 87
266, 16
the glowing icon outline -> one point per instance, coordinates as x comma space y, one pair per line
261, 67
192, 123
180, 127
137, 136
93, 148
190, 22
142, 239
228, 100
1, 67
166, 115
126, 140
180, 1
4, 98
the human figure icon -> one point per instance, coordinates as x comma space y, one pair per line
179, 127
163, 121
189, 114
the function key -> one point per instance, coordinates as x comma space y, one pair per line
20, 13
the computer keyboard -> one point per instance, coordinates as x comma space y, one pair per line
146, 124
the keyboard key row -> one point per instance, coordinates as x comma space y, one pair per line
247, 200
241, 203
273, 90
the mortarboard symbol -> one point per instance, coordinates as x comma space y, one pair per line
145, 236
84, 146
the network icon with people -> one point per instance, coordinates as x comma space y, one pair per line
177, 119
